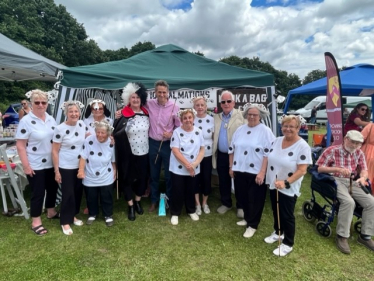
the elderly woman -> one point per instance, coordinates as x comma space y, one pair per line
288, 160
358, 118
131, 135
248, 154
34, 146
68, 141
97, 168
96, 111
24, 110
187, 151
205, 123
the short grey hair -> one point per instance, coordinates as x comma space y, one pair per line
263, 112
227, 92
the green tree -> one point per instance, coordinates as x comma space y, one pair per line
314, 75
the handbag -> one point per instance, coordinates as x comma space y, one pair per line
163, 205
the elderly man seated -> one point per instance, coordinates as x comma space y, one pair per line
341, 161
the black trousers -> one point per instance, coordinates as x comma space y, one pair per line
204, 179
105, 194
183, 190
225, 180
41, 183
72, 190
138, 170
286, 215
252, 197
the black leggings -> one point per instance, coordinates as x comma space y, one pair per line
138, 170
41, 183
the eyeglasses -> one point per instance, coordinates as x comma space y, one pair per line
97, 109
363, 109
288, 127
40, 102
252, 115
224, 101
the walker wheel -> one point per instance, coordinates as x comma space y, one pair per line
307, 211
322, 229
357, 226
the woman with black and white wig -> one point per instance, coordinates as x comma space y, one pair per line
248, 153
68, 142
205, 123
98, 170
187, 151
96, 111
34, 146
131, 136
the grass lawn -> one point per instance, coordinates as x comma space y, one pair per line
150, 248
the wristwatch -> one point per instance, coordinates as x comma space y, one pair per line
287, 184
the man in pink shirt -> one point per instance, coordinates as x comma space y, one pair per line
163, 120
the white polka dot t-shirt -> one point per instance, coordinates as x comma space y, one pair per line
99, 158
138, 134
38, 134
282, 163
90, 121
189, 144
250, 145
71, 139
206, 125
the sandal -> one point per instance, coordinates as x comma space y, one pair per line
56, 216
68, 231
39, 230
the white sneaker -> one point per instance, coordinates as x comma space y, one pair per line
273, 238
223, 209
198, 210
249, 232
240, 213
174, 220
242, 223
206, 209
284, 250
194, 217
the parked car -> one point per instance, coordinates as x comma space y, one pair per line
10, 116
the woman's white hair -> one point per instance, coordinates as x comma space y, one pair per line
129, 89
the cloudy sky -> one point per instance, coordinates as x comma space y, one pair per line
291, 35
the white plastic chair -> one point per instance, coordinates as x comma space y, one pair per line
10, 179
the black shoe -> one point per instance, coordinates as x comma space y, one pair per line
138, 208
131, 214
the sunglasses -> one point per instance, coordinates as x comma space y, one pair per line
97, 109
363, 109
224, 101
40, 102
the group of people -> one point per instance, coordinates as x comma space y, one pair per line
147, 134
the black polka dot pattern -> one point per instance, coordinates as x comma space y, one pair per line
182, 149
197, 133
266, 150
290, 174
191, 156
111, 145
200, 121
245, 152
79, 157
44, 160
97, 173
208, 147
234, 162
80, 125
88, 161
257, 149
230, 148
249, 132
33, 122
180, 167
67, 132
76, 134
290, 154
23, 131
181, 135
192, 141
34, 149
58, 136
172, 139
272, 168
53, 128
73, 147
100, 154
109, 170
302, 157
90, 142
92, 153
251, 165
